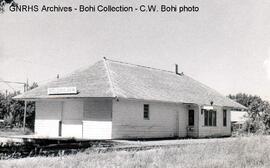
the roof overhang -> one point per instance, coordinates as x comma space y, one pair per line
243, 108
59, 98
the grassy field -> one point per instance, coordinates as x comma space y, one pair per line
239, 152
15, 131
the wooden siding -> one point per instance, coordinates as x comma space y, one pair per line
182, 120
72, 118
97, 122
48, 115
73, 110
47, 128
91, 117
97, 129
219, 130
98, 109
48, 110
72, 130
128, 120
123, 119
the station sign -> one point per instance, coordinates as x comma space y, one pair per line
62, 90
207, 107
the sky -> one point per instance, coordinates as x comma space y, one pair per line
226, 45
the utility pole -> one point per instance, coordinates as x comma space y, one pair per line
25, 106
7, 103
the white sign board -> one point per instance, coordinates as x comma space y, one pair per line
208, 107
62, 90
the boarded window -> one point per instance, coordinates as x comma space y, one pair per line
224, 118
146, 111
210, 117
191, 117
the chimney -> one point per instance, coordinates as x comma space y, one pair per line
176, 70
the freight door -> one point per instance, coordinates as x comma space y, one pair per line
72, 119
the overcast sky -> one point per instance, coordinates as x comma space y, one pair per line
225, 45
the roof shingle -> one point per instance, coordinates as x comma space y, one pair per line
110, 78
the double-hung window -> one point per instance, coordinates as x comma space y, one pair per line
146, 111
224, 118
210, 117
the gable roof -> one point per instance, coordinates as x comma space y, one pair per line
110, 78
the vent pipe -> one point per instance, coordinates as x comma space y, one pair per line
176, 70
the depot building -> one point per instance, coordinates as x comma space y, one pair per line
118, 100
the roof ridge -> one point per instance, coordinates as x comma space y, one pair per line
143, 66
109, 76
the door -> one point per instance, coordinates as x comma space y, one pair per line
191, 121
72, 119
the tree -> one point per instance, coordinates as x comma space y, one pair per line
13, 110
4, 2
258, 111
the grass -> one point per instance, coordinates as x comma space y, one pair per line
240, 152
14, 131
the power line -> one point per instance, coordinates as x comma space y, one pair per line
13, 82
10, 87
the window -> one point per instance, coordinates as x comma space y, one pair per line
210, 117
191, 117
214, 115
146, 111
224, 118
205, 117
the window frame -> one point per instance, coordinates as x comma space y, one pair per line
189, 119
214, 116
146, 110
225, 116
206, 121
210, 118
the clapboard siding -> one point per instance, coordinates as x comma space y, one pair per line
128, 121
48, 128
101, 118
98, 109
72, 128
97, 129
182, 120
219, 130
97, 120
72, 110
72, 118
48, 115
48, 110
